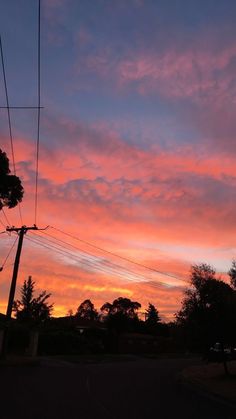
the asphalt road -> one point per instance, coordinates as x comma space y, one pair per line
132, 389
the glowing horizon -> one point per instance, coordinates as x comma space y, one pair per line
137, 145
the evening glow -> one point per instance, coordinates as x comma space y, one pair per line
137, 146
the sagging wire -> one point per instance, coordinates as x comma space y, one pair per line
6, 258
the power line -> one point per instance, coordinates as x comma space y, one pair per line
101, 260
89, 261
82, 261
5, 260
6, 218
107, 269
2, 223
9, 117
9, 264
19, 208
38, 119
8, 108
105, 261
119, 256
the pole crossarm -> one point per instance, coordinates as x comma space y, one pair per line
25, 228
21, 107
17, 229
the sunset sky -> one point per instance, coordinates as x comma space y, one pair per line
137, 145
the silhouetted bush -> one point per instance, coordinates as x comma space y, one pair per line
69, 342
18, 339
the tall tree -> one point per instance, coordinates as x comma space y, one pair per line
208, 310
232, 274
87, 311
152, 315
121, 315
122, 306
30, 308
11, 189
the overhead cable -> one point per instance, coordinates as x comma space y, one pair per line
8, 254
92, 262
102, 260
119, 256
38, 115
2, 223
9, 118
6, 218
96, 258
82, 261
99, 266
8, 108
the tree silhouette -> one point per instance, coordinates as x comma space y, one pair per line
121, 315
152, 315
11, 190
122, 306
232, 274
29, 308
208, 312
87, 311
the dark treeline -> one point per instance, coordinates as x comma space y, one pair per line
208, 312
207, 315
85, 331
121, 315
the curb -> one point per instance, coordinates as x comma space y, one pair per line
198, 387
19, 362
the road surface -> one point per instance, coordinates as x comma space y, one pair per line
136, 389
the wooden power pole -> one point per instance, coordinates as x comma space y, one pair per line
21, 231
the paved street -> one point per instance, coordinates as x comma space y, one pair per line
133, 389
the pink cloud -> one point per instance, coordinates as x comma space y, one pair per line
200, 72
150, 185
186, 74
117, 196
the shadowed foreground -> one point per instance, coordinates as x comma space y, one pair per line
133, 389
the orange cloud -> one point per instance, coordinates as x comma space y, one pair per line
162, 208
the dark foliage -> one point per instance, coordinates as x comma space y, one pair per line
208, 311
152, 315
11, 189
152, 323
121, 315
30, 309
123, 306
68, 340
232, 274
87, 311
18, 338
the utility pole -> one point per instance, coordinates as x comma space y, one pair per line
21, 231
